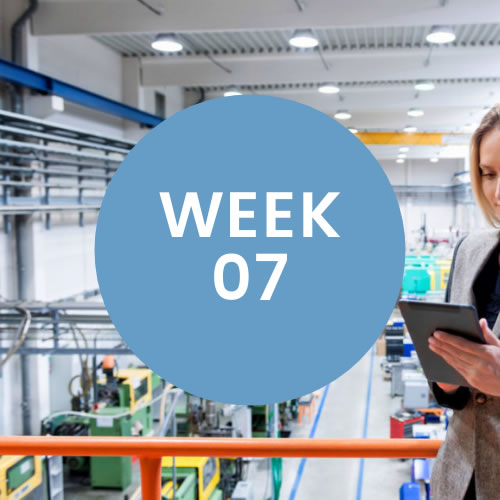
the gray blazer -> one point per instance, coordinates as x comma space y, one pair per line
473, 439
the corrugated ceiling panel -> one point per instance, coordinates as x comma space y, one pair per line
338, 38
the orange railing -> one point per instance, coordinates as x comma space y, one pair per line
151, 450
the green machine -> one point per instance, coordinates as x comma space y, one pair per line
122, 413
424, 274
110, 472
416, 280
416, 277
122, 409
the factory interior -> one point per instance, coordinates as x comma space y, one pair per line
81, 82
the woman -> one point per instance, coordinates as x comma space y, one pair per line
468, 463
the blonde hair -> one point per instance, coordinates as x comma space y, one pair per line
490, 121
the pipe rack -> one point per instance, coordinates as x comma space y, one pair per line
47, 167
54, 324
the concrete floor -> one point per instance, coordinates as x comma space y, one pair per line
343, 416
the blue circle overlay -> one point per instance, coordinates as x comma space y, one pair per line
334, 294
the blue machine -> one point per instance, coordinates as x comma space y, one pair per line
409, 491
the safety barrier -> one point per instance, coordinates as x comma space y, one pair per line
151, 450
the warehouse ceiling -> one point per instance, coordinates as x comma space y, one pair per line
374, 51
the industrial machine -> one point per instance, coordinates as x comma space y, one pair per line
196, 478
70, 425
416, 391
260, 418
398, 370
425, 274
394, 341
416, 280
122, 408
288, 411
402, 422
19, 476
129, 390
243, 491
121, 411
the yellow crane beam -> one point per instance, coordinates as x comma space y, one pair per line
412, 139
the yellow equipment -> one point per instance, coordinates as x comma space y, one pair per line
138, 386
445, 273
207, 474
140, 383
19, 475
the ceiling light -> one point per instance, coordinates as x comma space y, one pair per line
425, 85
434, 159
328, 88
231, 91
353, 130
410, 129
441, 34
400, 160
415, 112
342, 115
402, 155
167, 42
404, 149
303, 39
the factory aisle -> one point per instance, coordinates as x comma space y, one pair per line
383, 477
343, 416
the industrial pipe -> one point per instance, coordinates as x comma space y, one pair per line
14, 41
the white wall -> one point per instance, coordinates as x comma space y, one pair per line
64, 257
80, 61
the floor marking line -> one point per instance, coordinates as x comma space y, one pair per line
359, 488
303, 461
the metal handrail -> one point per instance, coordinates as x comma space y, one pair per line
151, 450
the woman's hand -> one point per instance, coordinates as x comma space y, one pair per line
479, 364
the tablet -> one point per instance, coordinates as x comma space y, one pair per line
423, 318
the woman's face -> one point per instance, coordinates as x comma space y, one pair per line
489, 168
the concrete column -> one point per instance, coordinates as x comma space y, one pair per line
175, 100
133, 95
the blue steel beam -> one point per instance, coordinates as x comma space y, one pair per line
44, 83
